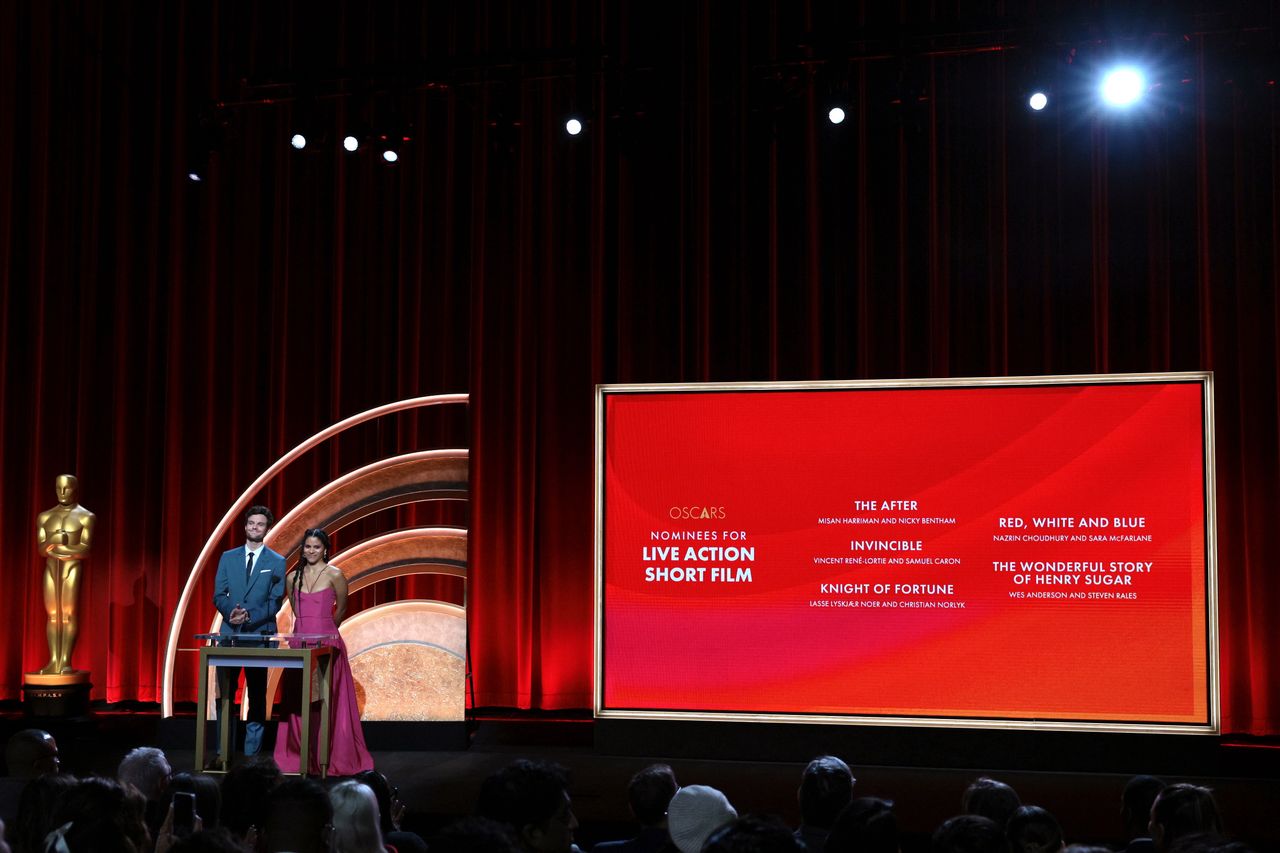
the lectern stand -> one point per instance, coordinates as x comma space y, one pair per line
307, 652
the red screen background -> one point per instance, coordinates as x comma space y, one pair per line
782, 469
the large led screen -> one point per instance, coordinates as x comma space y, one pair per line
1032, 552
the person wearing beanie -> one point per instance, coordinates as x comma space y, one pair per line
695, 812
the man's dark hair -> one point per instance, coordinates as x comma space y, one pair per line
754, 834
104, 816
259, 509
1135, 804
1181, 810
825, 790
868, 825
381, 788
969, 833
39, 800
524, 793
991, 799
1209, 842
650, 791
1032, 829
208, 795
244, 793
299, 817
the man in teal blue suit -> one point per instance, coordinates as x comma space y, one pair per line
247, 592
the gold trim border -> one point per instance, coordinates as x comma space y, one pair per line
1204, 378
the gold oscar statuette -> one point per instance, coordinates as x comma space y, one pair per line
63, 536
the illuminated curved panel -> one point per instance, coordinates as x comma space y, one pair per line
426, 475
408, 659
421, 550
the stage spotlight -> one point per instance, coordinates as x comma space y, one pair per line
1038, 101
390, 155
836, 115
198, 166
350, 143
573, 126
298, 141
1122, 87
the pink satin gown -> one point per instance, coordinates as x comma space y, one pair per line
347, 753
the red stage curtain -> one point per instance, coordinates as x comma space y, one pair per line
166, 341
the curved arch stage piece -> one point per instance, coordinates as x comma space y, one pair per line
399, 480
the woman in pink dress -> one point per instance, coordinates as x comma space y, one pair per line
317, 592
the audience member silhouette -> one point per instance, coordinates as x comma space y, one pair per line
36, 806
1135, 812
99, 815
28, 754
475, 835
299, 819
1208, 842
390, 813
532, 799
208, 795
969, 833
1182, 810
694, 813
990, 798
648, 794
826, 787
147, 770
867, 825
31, 753
216, 840
1032, 829
755, 834
355, 818
245, 790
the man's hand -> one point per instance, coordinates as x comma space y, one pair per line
238, 616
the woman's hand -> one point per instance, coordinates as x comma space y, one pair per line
165, 837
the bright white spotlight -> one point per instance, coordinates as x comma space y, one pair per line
836, 116
390, 155
573, 127
1038, 101
194, 177
1122, 87
298, 141
350, 143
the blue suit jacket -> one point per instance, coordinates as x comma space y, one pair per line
261, 595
